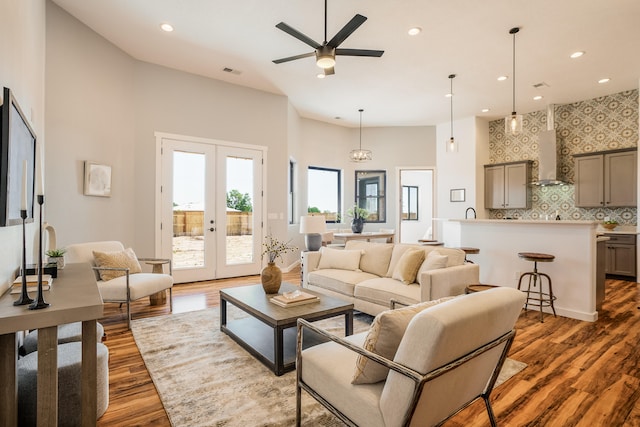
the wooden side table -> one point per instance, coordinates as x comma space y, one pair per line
159, 298
478, 287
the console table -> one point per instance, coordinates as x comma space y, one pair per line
74, 297
366, 235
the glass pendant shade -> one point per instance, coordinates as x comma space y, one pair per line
513, 124
452, 144
360, 155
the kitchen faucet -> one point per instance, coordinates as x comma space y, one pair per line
467, 212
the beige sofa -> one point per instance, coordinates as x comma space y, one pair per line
363, 273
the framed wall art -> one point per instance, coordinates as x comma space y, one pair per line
97, 179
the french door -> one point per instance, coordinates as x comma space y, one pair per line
211, 208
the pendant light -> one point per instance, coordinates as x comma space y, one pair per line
513, 123
452, 145
360, 155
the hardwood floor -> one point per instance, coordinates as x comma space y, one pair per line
578, 373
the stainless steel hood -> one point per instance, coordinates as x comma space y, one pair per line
548, 171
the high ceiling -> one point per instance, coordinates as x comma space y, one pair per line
408, 84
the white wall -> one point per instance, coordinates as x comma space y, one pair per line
412, 231
22, 49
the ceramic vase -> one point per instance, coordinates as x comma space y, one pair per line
59, 260
357, 224
271, 278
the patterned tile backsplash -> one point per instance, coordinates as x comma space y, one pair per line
605, 123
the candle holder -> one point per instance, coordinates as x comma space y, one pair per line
39, 303
24, 298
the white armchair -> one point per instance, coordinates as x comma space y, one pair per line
449, 355
127, 287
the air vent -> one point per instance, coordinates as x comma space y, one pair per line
231, 70
541, 84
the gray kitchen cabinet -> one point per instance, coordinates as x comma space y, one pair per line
507, 185
621, 254
606, 179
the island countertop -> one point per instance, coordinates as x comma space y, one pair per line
621, 229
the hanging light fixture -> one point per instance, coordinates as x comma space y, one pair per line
360, 155
452, 145
513, 123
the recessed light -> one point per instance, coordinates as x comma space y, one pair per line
449, 95
578, 54
166, 27
414, 31
320, 75
537, 97
605, 80
485, 110
502, 78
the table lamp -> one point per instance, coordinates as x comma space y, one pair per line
312, 226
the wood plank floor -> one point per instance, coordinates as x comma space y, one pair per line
578, 374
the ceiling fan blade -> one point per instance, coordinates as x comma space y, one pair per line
293, 58
359, 52
329, 71
297, 34
346, 31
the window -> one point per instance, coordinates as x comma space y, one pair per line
291, 200
409, 203
323, 193
370, 194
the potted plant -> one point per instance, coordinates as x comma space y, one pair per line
271, 275
57, 256
359, 216
610, 224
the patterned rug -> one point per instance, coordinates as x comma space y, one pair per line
205, 379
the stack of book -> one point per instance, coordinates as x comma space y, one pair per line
290, 299
32, 283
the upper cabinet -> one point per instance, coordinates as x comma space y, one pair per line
506, 185
606, 179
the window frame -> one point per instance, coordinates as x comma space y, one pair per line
362, 200
338, 173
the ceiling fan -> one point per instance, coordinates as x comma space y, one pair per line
326, 51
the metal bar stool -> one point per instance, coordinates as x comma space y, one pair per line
537, 297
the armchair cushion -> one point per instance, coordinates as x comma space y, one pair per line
383, 338
140, 285
119, 259
408, 266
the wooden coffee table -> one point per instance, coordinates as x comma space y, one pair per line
269, 332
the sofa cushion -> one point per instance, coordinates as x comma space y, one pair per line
375, 257
408, 265
383, 338
341, 281
454, 256
381, 290
118, 259
339, 258
434, 261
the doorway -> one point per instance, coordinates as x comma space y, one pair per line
210, 207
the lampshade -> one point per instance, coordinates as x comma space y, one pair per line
313, 224
360, 155
513, 123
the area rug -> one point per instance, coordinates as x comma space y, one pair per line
205, 379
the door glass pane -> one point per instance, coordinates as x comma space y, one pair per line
188, 209
240, 198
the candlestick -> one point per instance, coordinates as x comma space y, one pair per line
39, 302
23, 205
24, 298
39, 176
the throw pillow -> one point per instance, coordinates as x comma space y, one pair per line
435, 260
341, 259
384, 337
408, 266
118, 259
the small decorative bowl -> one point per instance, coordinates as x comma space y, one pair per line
609, 226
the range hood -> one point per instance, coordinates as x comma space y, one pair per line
548, 173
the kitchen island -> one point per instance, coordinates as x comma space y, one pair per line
573, 272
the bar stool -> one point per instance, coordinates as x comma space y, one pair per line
469, 251
542, 299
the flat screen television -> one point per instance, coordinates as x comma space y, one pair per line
17, 144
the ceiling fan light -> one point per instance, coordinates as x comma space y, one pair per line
325, 57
